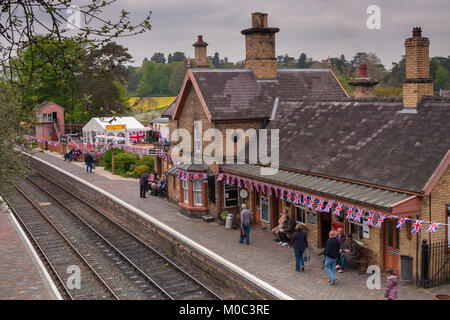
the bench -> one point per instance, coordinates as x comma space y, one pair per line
363, 260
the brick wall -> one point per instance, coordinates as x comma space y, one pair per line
260, 55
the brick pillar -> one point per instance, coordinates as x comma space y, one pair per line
260, 47
418, 82
363, 86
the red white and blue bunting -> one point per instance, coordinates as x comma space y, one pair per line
190, 176
352, 213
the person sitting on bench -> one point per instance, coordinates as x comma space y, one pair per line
288, 228
350, 253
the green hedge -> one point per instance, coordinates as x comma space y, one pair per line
128, 164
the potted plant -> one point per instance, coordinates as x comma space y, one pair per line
224, 215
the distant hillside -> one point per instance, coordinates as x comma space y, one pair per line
149, 103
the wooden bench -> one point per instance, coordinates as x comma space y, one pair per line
363, 260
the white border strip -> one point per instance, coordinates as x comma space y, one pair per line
256, 281
35, 255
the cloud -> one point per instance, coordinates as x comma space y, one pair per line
320, 28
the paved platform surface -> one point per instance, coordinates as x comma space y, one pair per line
21, 278
263, 258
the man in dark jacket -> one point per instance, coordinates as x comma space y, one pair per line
89, 162
143, 182
331, 253
299, 243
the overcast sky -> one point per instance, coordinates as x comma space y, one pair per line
320, 28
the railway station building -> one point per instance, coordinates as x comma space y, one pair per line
339, 157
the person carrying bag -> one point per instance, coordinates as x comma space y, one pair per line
299, 243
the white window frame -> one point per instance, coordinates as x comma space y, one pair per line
360, 227
198, 192
197, 137
261, 211
304, 214
185, 185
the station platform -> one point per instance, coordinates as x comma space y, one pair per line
264, 258
22, 277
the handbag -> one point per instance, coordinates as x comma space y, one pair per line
306, 256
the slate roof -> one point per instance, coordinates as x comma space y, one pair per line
167, 113
233, 94
365, 140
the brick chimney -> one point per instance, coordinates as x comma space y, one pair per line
418, 82
363, 86
260, 47
200, 53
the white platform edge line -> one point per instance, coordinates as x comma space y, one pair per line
35, 255
256, 281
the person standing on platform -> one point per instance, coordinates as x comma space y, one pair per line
143, 182
89, 160
299, 243
341, 238
246, 217
331, 252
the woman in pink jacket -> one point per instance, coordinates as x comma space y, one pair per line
391, 285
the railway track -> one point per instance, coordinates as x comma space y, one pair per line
152, 267
57, 252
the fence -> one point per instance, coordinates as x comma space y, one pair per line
435, 264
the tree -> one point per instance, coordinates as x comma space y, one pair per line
158, 57
216, 60
44, 25
177, 77
301, 63
177, 56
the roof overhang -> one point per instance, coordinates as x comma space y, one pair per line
407, 208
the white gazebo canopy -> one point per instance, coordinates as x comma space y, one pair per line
118, 126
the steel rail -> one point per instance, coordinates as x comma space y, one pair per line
69, 243
41, 251
135, 237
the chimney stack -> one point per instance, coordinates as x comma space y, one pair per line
418, 82
200, 53
260, 47
363, 86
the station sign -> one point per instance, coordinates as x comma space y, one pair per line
116, 126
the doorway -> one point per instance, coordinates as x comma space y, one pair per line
391, 245
276, 211
257, 207
325, 228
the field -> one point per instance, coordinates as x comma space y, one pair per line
150, 103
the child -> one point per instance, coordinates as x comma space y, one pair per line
391, 285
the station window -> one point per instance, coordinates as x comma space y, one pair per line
186, 191
198, 192
356, 230
300, 214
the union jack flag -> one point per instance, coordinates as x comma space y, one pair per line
370, 218
227, 180
319, 206
401, 222
251, 185
311, 201
282, 192
239, 183
263, 188
432, 227
269, 187
232, 180
338, 209
205, 178
136, 136
179, 174
160, 138
245, 183
350, 212
358, 215
381, 218
195, 175
289, 196
305, 199
297, 197
219, 176
187, 176
256, 185
275, 188
416, 226
328, 206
